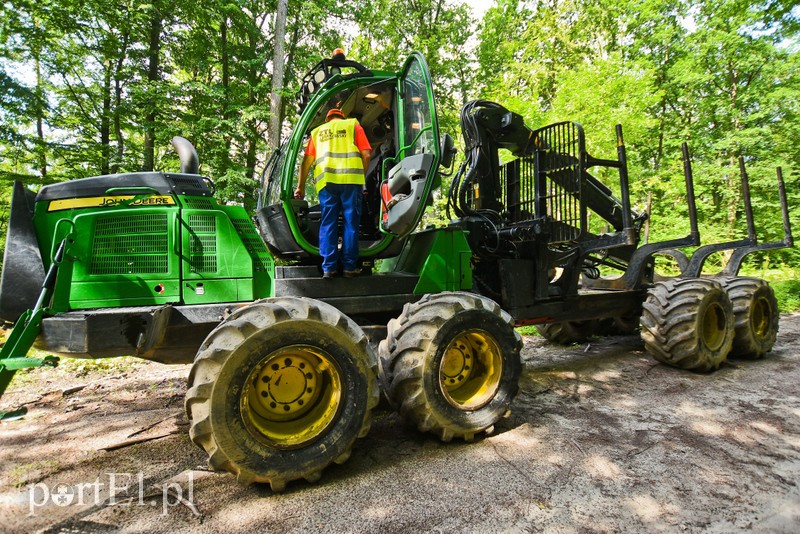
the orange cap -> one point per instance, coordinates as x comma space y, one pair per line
338, 53
334, 112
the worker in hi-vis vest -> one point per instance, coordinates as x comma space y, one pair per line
340, 152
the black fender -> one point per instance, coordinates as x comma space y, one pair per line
23, 271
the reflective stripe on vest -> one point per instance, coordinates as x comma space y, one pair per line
338, 158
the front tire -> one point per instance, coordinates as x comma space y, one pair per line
451, 364
280, 390
688, 323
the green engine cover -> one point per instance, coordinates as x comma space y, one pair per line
155, 239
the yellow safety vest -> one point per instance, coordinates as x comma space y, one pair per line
338, 158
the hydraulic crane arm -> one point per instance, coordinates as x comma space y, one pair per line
488, 127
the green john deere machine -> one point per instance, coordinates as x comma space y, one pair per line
287, 366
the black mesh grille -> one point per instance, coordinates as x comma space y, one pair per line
133, 244
187, 181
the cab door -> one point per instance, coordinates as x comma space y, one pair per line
408, 183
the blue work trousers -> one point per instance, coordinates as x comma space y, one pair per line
334, 199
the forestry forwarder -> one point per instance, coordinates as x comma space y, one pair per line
149, 264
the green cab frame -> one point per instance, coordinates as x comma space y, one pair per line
398, 113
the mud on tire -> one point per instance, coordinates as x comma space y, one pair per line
756, 316
688, 323
280, 390
451, 364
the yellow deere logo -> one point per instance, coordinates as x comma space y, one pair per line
97, 202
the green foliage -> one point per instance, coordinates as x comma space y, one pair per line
90, 87
788, 294
528, 330
390, 30
720, 74
102, 367
785, 281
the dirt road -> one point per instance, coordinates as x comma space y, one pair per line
601, 439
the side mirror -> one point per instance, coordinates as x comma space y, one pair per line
447, 151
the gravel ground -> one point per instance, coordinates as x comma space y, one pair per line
601, 439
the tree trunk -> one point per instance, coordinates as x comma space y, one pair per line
289, 65
226, 103
226, 69
734, 151
276, 104
39, 107
252, 124
105, 121
117, 103
153, 53
39, 110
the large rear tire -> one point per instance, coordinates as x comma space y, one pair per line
280, 390
688, 323
756, 316
568, 332
451, 364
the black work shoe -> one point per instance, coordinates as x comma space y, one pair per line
328, 275
352, 274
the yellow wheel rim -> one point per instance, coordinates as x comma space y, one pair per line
761, 317
470, 370
713, 326
292, 396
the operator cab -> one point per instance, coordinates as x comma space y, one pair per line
373, 106
398, 114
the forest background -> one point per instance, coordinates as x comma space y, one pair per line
101, 86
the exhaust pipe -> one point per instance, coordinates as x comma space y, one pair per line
187, 154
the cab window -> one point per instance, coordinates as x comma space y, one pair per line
419, 135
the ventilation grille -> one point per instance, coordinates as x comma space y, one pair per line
133, 244
262, 261
187, 181
202, 243
203, 224
131, 224
197, 203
